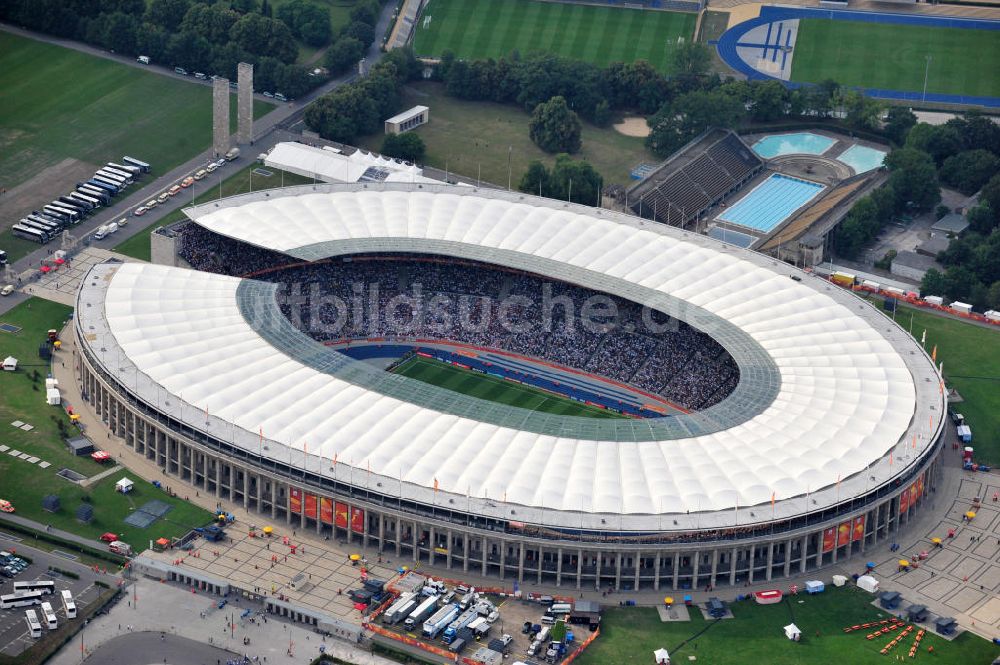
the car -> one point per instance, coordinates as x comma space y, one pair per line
140, 211
268, 94
173, 190
199, 75
200, 173
280, 97
181, 71
122, 222
6, 291
7, 571
5, 505
187, 182
152, 203
109, 537
162, 198
220, 162
234, 85
211, 167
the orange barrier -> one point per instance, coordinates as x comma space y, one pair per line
409, 641
915, 300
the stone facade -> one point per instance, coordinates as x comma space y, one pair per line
244, 103
220, 117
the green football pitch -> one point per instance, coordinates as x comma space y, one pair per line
475, 29
494, 389
894, 57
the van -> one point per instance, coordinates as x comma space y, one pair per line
212, 167
548, 620
7, 290
173, 191
181, 71
199, 75
152, 203
144, 59
162, 198
200, 173
280, 97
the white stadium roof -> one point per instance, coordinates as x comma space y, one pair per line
847, 394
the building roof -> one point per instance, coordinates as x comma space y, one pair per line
933, 245
407, 114
333, 166
914, 260
845, 395
951, 223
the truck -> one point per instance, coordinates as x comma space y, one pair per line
118, 547
104, 230
440, 620
395, 612
424, 610
458, 624
232, 155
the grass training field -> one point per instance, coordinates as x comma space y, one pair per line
239, 183
755, 635
494, 389
472, 139
24, 484
475, 29
963, 62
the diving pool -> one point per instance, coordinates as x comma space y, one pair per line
771, 202
793, 144
862, 158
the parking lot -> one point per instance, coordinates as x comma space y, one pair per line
14, 637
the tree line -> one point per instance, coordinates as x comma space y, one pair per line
204, 36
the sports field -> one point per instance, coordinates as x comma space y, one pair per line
893, 57
475, 29
493, 389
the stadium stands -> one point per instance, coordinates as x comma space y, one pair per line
424, 297
695, 178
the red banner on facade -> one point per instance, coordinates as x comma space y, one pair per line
357, 520
829, 539
341, 515
311, 505
295, 501
914, 494
326, 510
859, 528
920, 484
843, 534
904, 501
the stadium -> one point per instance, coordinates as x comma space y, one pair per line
765, 423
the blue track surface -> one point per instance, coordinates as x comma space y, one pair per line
774, 15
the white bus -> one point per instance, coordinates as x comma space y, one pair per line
128, 175
34, 628
137, 162
68, 605
23, 599
28, 233
61, 208
92, 190
103, 181
51, 622
48, 586
128, 168
113, 177
93, 200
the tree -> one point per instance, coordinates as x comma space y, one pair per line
969, 170
574, 180
861, 112
408, 146
688, 116
939, 141
898, 122
294, 81
554, 127
307, 21
933, 283
120, 32
958, 282
167, 14
213, 22
264, 36
977, 132
360, 31
691, 59
602, 114
768, 99
365, 12
189, 50
981, 219
535, 179
153, 41
913, 178
990, 195
344, 54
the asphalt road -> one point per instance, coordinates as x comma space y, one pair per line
149, 648
266, 132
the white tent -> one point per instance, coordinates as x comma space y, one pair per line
52, 396
10, 363
662, 657
124, 486
868, 583
839, 580
793, 633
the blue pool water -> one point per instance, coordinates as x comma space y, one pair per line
789, 144
771, 202
861, 158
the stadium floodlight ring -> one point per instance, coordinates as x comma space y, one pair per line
852, 388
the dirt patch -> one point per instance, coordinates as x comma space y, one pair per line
633, 127
53, 182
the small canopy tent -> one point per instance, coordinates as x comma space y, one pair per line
868, 583
793, 633
10, 364
124, 486
815, 586
662, 657
839, 580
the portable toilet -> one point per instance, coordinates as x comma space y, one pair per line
916, 613
945, 625
839, 580
868, 583
815, 586
890, 599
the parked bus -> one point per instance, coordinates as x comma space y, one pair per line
96, 192
84, 200
74, 204
44, 228
28, 233
113, 177
36, 216
101, 181
93, 200
71, 211
50, 616
128, 168
23, 599
108, 187
128, 175
34, 628
51, 228
68, 605
136, 162
48, 586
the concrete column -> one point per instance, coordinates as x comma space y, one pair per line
618, 571
503, 558
750, 565
448, 556
770, 560
220, 117
244, 103
638, 567
677, 568
218, 477
431, 544
788, 557
579, 569
415, 539
732, 567
656, 572
803, 554
484, 554
559, 558
246, 489
465, 549
715, 566
597, 571
819, 549
520, 561
538, 563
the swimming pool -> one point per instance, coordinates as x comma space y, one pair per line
771, 202
789, 144
861, 158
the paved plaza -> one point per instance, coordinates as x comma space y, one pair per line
60, 285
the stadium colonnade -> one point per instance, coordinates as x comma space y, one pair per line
495, 538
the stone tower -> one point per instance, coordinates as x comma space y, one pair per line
220, 116
244, 103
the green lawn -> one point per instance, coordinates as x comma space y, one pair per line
755, 635
475, 29
846, 51
470, 138
239, 183
26, 484
495, 389
62, 104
